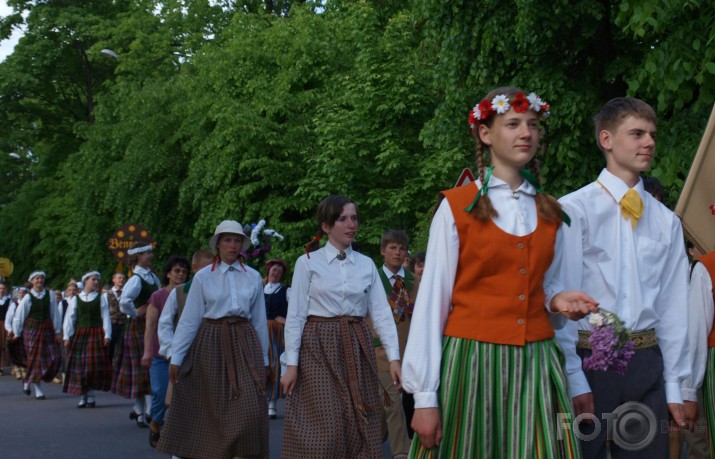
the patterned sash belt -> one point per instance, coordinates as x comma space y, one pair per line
347, 322
641, 340
228, 354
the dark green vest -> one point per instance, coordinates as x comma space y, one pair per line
40, 308
89, 313
145, 293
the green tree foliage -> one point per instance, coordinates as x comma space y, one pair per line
259, 109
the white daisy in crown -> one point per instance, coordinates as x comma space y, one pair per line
500, 104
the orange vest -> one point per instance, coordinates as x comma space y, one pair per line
709, 262
498, 290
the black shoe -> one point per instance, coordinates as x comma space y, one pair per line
154, 438
26, 391
91, 404
148, 418
41, 397
82, 404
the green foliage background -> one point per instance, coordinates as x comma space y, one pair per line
258, 110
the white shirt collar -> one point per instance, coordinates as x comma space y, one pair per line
390, 274
617, 187
223, 267
38, 295
331, 252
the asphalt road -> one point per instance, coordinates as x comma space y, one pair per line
55, 428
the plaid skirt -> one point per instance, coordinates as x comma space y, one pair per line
131, 379
4, 354
335, 409
276, 346
16, 352
502, 401
88, 366
709, 398
43, 352
219, 407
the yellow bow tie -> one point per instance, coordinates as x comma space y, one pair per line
632, 206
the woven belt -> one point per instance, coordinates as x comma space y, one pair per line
641, 340
228, 354
346, 322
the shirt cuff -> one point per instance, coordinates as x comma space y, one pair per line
292, 358
689, 393
578, 384
426, 400
672, 393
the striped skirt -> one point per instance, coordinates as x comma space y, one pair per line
335, 410
131, 379
709, 398
43, 352
219, 407
88, 366
276, 346
501, 401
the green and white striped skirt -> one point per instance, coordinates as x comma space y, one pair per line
709, 398
502, 401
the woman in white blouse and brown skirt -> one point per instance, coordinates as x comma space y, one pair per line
334, 404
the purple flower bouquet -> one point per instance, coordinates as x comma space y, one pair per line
611, 344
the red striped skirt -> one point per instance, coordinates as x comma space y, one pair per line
88, 366
130, 379
219, 407
336, 408
16, 352
43, 352
276, 346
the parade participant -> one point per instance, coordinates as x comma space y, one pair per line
116, 315
5, 302
276, 297
15, 347
63, 303
37, 322
131, 380
221, 343
87, 334
481, 360
175, 303
626, 249
398, 285
333, 407
175, 272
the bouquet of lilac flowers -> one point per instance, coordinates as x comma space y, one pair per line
611, 344
261, 240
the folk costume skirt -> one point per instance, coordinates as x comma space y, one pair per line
276, 346
131, 379
501, 401
43, 352
4, 357
219, 407
16, 352
88, 366
709, 398
336, 407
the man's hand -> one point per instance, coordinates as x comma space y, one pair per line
584, 404
426, 424
396, 373
677, 413
690, 411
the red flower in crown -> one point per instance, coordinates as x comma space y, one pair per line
472, 119
712, 209
520, 104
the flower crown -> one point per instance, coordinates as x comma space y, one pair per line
501, 104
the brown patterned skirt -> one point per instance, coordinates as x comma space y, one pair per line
336, 406
219, 407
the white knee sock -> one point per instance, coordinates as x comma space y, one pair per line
38, 389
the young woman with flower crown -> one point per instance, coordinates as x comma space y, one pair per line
481, 360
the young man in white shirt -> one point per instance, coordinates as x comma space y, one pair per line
626, 250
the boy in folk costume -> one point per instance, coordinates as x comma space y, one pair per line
481, 360
37, 321
116, 315
397, 282
131, 380
220, 344
626, 249
87, 334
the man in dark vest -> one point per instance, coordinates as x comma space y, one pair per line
117, 317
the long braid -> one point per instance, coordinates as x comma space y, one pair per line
484, 208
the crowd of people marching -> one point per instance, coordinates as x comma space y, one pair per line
472, 349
